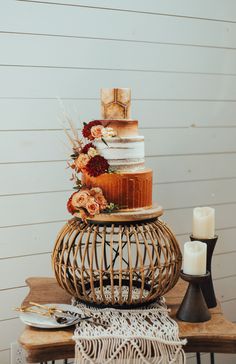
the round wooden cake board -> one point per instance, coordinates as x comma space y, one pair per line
128, 216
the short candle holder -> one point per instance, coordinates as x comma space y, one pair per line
207, 285
193, 307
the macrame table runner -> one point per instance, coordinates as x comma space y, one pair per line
146, 335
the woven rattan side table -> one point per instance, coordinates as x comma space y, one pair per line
120, 260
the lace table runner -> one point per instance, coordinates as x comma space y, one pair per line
146, 335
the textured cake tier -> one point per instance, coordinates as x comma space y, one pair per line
126, 165
123, 153
127, 190
123, 127
115, 103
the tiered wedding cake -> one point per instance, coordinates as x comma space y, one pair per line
130, 187
112, 162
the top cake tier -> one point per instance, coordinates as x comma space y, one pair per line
115, 103
115, 111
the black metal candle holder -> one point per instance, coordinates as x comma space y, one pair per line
207, 285
193, 307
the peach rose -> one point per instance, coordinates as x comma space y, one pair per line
95, 190
92, 206
92, 152
96, 131
81, 161
83, 214
80, 198
108, 132
101, 201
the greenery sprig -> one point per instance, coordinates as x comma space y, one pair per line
111, 207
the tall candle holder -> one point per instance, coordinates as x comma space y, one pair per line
207, 284
193, 307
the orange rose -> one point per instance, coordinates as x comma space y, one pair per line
101, 201
80, 198
97, 193
96, 131
95, 190
92, 206
83, 214
81, 161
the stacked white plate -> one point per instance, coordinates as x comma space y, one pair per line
46, 322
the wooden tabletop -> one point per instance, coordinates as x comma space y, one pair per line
217, 335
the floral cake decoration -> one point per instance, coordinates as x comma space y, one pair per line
85, 158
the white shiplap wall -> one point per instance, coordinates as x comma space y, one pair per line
179, 58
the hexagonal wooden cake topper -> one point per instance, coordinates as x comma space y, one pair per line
115, 103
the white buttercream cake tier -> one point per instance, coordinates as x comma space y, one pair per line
123, 153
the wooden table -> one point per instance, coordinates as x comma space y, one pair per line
215, 336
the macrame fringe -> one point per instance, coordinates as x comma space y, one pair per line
137, 336
129, 351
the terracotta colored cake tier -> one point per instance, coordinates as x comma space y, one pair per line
123, 127
127, 190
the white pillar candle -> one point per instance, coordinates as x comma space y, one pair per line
195, 253
203, 222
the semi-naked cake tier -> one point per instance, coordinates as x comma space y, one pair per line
123, 153
131, 190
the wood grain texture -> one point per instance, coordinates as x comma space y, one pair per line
21, 241
38, 264
9, 336
107, 54
9, 299
63, 83
5, 356
156, 28
19, 114
218, 334
212, 9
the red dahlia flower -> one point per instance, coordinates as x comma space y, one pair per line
85, 149
97, 165
87, 129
